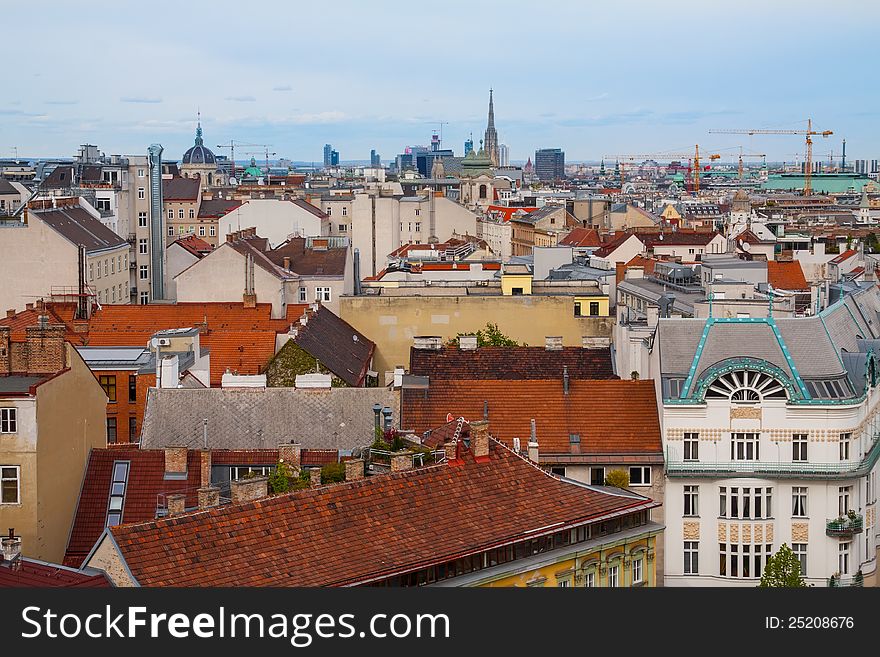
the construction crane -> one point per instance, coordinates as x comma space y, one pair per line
265, 152
742, 155
232, 145
809, 132
441, 124
694, 158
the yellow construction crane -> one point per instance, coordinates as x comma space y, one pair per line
809, 132
694, 158
231, 146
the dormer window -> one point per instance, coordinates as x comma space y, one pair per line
746, 387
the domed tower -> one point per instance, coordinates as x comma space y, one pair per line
199, 161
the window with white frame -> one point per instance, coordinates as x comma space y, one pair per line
843, 497
112, 266
240, 472
91, 271
180, 213
691, 500
142, 193
800, 551
744, 446
843, 558
343, 228
691, 557
303, 295
344, 211
640, 475
145, 272
613, 576
10, 484
170, 213
117, 492
563, 583
170, 231
140, 173
180, 229
192, 213
213, 231
799, 447
8, 420
329, 211
845, 439
105, 267
746, 503
418, 226
637, 571
201, 231
691, 446
322, 294
743, 560
799, 501
590, 580
418, 212
145, 298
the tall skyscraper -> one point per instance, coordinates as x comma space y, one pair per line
550, 164
503, 155
375, 159
468, 145
328, 154
334, 158
491, 141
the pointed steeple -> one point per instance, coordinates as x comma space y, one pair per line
199, 140
491, 134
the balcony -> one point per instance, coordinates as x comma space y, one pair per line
844, 526
858, 581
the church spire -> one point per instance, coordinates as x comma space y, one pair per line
491, 134
199, 140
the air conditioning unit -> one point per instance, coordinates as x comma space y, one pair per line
163, 342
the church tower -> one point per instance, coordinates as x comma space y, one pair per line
491, 141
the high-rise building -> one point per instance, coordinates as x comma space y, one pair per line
328, 154
334, 158
503, 155
550, 164
375, 159
491, 142
468, 145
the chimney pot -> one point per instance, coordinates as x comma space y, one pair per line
176, 504
205, 467
434, 342
533, 444
291, 454
479, 431
553, 342
286, 262
467, 342
354, 469
209, 497
401, 462
250, 489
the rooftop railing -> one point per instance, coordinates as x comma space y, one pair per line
844, 526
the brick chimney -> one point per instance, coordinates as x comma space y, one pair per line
291, 454
175, 462
209, 496
10, 313
5, 355
205, 467
354, 469
46, 351
553, 343
467, 342
533, 444
434, 342
314, 477
249, 489
176, 504
249, 300
401, 462
286, 262
480, 438
591, 342
451, 450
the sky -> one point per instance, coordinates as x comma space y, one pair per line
596, 79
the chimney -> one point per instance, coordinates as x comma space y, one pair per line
354, 469
533, 444
176, 504
46, 351
291, 454
401, 462
480, 438
590, 342
10, 549
249, 489
175, 462
286, 262
467, 342
553, 343
209, 497
170, 373
249, 300
205, 467
5, 346
565, 379
451, 449
28, 306
314, 477
434, 342
10, 313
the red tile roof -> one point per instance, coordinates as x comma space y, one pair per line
360, 531
58, 313
38, 574
611, 417
581, 237
511, 363
146, 483
843, 257
609, 247
507, 212
198, 247
786, 275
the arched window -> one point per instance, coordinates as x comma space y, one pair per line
482, 191
746, 387
210, 179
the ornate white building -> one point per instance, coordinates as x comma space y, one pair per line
771, 435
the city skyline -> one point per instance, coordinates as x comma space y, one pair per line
261, 87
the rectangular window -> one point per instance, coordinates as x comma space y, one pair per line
744, 447
691, 500
322, 294
132, 388
637, 571
577, 309
418, 226
691, 447
145, 298
590, 580
303, 295
594, 308
640, 475
8, 420
145, 272
613, 576
343, 228
142, 193
170, 213
180, 213
142, 246
344, 211
800, 550
563, 583
240, 472
691, 557
843, 558
844, 446
722, 559
329, 211
799, 501
192, 213
108, 382
140, 173
132, 429
201, 231
111, 430
597, 476
112, 266
843, 495
116, 501
799, 447
10, 484
91, 271
722, 501
170, 231
213, 231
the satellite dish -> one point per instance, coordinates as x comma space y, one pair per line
745, 245
232, 180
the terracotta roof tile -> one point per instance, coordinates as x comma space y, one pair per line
37, 574
358, 531
581, 237
786, 275
611, 417
511, 363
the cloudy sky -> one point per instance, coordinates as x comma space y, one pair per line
597, 79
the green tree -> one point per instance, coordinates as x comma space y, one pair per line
279, 478
490, 336
783, 570
617, 478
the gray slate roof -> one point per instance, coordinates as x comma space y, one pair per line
263, 418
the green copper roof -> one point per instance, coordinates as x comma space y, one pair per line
829, 183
